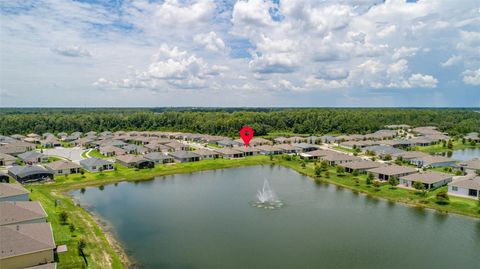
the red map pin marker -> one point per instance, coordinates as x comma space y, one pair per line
246, 134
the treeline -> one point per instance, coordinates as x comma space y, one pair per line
224, 121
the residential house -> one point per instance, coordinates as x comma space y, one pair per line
305, 147
469, 167
21, 212
430, 179
63, 167
17, 136
470, 137
258, 141
360, 166
6, 159
357, 144
158, 157
26, 245
248, 151
96, 164
288, 148
383, 151
386, 172
206, 154
32, 157
411, 155
229, 143
29, 173
267, 149
13, 192
157, 147
296, 139
426, 130
339, 158
135, 149
13, 149
230, 153
433, 161
177, 146
184, 156
316, 154
135, 161
50, 142
280, 140
111, 151
468, 186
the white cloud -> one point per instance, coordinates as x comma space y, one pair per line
71, 51
422, 81
210, 41
454, 59
472, 77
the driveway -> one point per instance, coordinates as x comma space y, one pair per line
74, 154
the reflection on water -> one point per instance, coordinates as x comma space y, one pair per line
466, 154
204, 220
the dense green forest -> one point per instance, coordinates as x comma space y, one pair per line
227, 121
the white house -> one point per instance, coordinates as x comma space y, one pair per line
468, 187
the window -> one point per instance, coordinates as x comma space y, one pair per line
60, 171
454, 188
472, 192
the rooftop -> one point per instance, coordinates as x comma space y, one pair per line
25, 238
11, 189
427, 177
20, 211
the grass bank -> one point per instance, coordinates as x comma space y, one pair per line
101, 250
438, 148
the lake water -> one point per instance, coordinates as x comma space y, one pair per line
466, 154
205, 220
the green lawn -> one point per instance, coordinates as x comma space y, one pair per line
439, 147
347, 150
96, 153
214, 146
102, 255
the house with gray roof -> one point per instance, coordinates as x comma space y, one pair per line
248, 151
383, 151
13, 192
386, 172
22, 212
135, 149
360, 166
339, 158
316, 154
228, 143
429, 179
26, 245
111, 151
185, 156
305, 147
469, 167
30, 173
95, 164
288, 148
32, 157
158, 157
206, 154
433, 161
177, 146
267, 149
230, 153
468, 186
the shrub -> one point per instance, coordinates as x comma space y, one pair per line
63, 217
355, 173
442, 198
393, 181
370, 178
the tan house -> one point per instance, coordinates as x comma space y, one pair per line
135, 161
360, 166
386, 172
6, 159
26, 245
230, 153
22, 212
248, 151
63, 167
206, 154
429, 179
13, 192
111, 151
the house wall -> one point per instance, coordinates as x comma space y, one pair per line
460, 192
27, 260
22, 197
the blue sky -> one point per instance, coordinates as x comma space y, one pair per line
240, 53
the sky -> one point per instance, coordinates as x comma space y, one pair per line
254, 53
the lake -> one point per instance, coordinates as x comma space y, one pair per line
466, 154
206, 220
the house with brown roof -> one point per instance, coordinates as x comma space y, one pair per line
159, 157
429, 179
316, 154
156, 146
33, 157
267, 149
50, 142
13, 192
206, 154
135, 161
411, 155
6, 159
468, 186
177, 146
63, 167
26, 245
230, 153
386, 172
21, 212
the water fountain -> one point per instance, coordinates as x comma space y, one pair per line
266, 197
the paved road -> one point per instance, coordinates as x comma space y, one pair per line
74, 154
